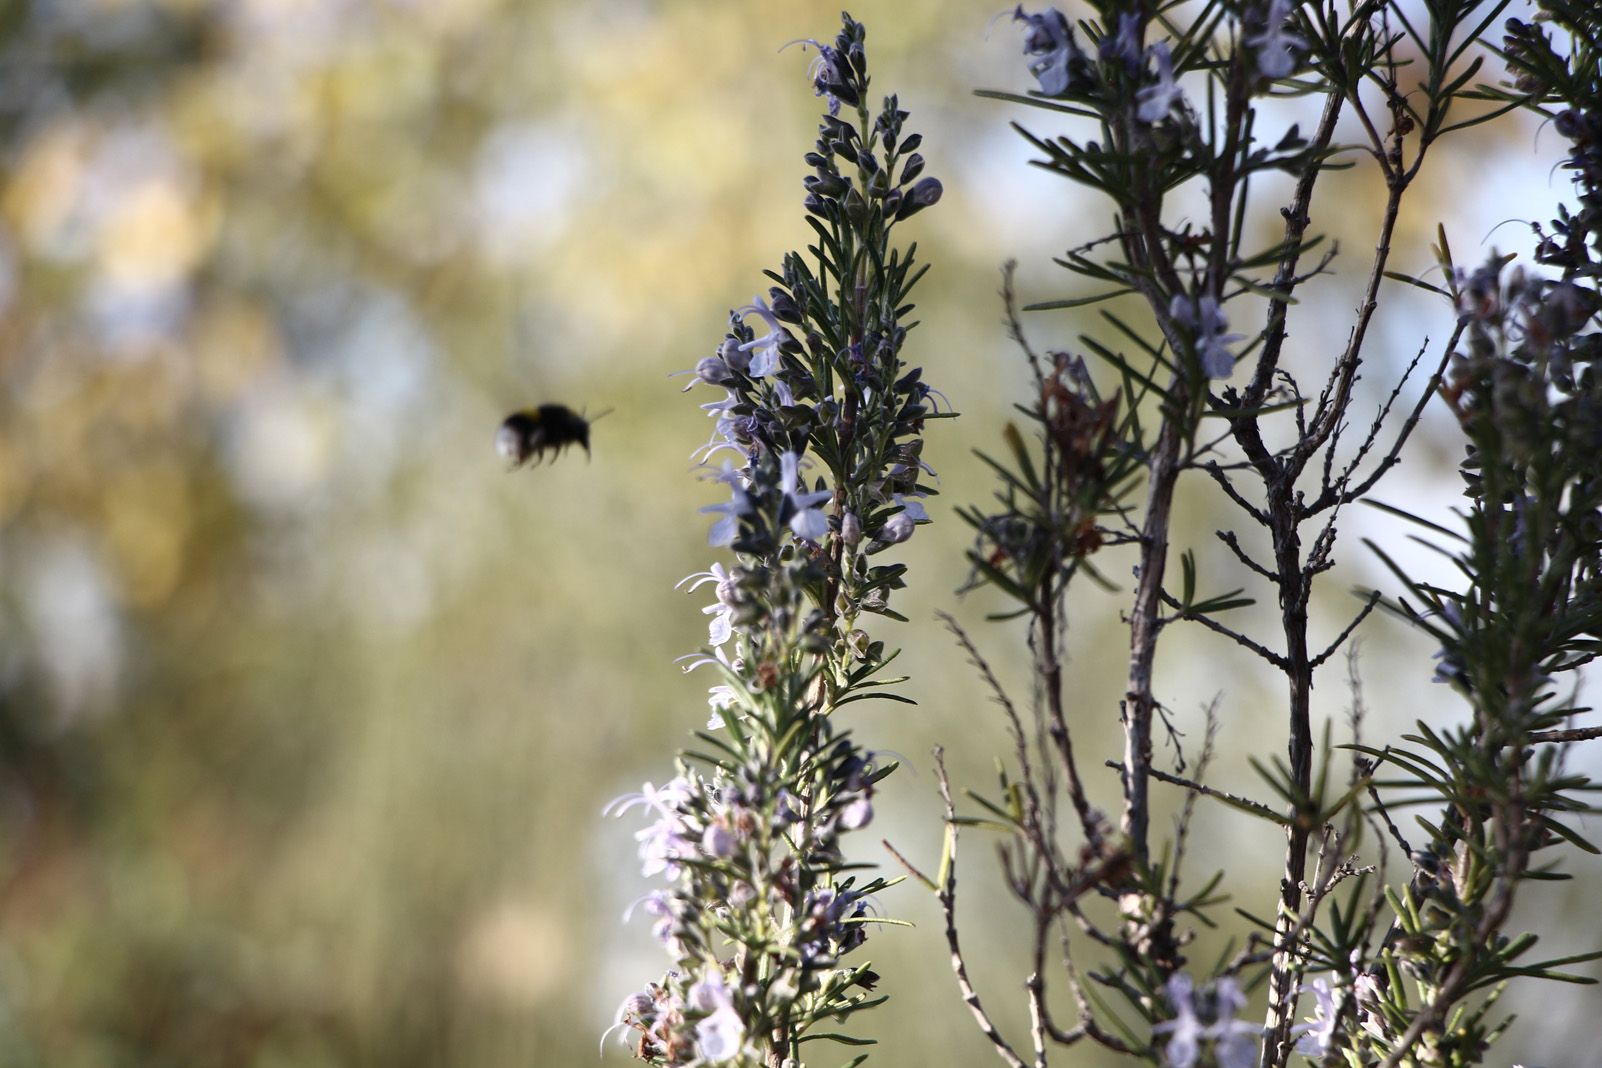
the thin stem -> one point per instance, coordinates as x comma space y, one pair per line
1144, 625
948, 909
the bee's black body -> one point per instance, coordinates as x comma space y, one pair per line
531, 433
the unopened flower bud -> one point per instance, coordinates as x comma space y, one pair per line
856, 208
858, 57
825, 185
898, 528
714, 370
926, 192
850, 529
857, 815
729, 352
718, 841
784, 306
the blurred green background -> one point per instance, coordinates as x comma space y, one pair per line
307, 707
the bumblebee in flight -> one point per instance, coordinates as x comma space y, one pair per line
529, 434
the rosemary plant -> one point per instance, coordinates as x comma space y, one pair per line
819, 429
1387, 972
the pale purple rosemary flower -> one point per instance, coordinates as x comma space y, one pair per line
637, 1010
657, 1012
1370, 1016
721, 629
691, 661
901, 525
912, 507
806, 521
725, 530
1125, 44
720, 699
829, 73
1234, 1044
722, 611
1183, 1049
729, 401
659, 904
1274, 56
1207, 319
1212, 344
1234, 1041
785, 395
766, 348
666, 840
1050, 41
729, 433
1156, 101
1319, 1034
831, 916
898, 528
857, 815
721, 1035
719, 840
